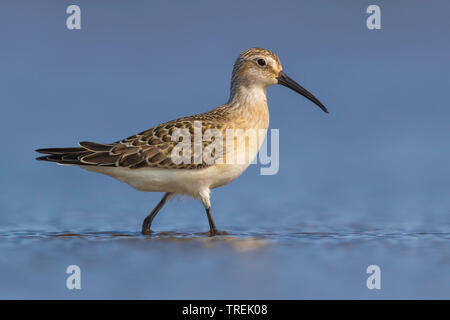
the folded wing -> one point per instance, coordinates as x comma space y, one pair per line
151, 148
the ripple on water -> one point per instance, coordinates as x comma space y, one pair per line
228, 237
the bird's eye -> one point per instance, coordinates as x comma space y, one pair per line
261, 62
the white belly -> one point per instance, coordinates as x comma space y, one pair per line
181, 181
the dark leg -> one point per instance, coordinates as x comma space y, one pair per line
148, 220
212, 225
204, 197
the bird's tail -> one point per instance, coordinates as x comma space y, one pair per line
76, 155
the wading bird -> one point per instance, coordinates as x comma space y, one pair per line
145, 161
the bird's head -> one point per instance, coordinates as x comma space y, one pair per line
262, 68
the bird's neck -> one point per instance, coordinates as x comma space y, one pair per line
250, 106
247, 94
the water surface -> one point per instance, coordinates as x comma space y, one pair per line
242, 265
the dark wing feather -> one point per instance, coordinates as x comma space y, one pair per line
60, 150
150, 148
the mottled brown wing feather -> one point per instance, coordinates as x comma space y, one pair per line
151, 148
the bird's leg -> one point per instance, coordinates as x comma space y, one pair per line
212, 226
148, 220
204, 197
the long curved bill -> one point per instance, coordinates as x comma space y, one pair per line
284, 80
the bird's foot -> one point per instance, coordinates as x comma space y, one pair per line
147, 231
215, 232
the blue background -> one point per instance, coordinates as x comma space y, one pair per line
378, 162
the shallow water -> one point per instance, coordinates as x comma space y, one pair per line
243, 264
